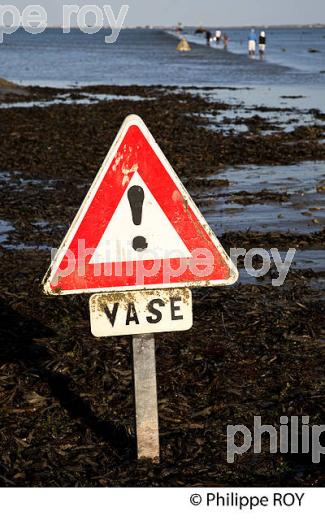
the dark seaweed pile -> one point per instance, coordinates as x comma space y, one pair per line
66, 398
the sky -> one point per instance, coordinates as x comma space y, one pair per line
196, 12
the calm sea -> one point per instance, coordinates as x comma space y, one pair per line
146, 57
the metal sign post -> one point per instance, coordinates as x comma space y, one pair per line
146, 404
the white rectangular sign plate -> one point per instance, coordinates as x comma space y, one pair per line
140, 312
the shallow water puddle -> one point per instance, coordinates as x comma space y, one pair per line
272, 104
42, 224
20, 246
5, 228
302, 97
65, 99
237, 120
16, 182
252, 200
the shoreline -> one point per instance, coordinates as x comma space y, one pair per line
167, 66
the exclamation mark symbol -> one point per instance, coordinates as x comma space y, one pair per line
136, 198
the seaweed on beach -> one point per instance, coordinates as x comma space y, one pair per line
66, 398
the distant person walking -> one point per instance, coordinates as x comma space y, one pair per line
208, 37
252, 40
218, 36
262, 43
225, 41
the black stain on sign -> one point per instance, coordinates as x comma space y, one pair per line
136, 198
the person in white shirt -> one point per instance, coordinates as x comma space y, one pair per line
262, 43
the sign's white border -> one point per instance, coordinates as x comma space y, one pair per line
128, 122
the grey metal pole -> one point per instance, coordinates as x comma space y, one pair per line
146, 405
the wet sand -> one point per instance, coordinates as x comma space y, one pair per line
255, 349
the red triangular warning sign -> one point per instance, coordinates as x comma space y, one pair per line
137, 228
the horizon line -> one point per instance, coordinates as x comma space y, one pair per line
173, 26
